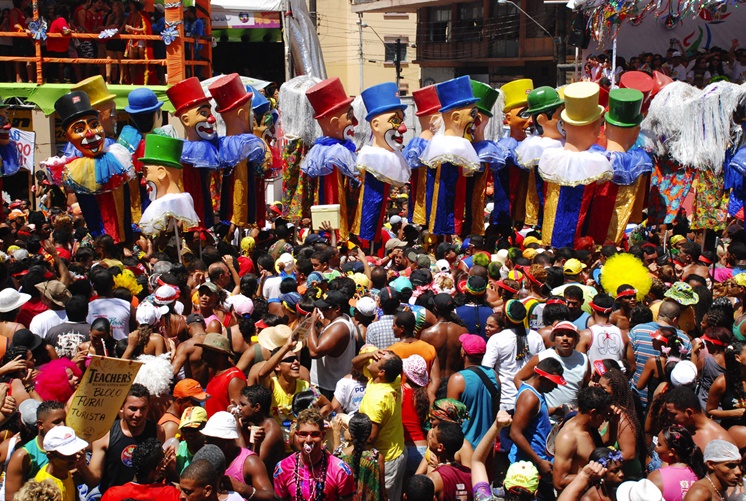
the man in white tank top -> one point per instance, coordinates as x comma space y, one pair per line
333, 349
602, 339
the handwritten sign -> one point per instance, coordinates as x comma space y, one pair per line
26, 143
100, 395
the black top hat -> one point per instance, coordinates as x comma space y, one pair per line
72, 106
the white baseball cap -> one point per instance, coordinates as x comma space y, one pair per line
366, 306
222, 424
149, 314
62, 439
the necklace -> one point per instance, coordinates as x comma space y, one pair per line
720, 496
317, 484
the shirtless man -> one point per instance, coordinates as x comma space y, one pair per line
683, 407
626, 298
444, 337
188, 356
723, 463
579, 436
689, 259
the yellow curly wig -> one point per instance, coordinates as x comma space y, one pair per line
626, 269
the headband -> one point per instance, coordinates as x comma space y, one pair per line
704, 260
531, 277
598, 309
659, 336
557, 301
448, 409
504, 286
552, 377
301, 310
628, 292
713, 341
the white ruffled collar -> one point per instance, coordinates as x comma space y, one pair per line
386, 166
451, 149
574, 168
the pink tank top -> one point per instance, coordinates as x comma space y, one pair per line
235, 470
676, 482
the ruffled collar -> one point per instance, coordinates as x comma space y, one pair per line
413, 151
528, 152
627, 165
177, 207
103, 173
574, 168
451, 149
10, 162
386, 166
235, 149
328, 153
201, 154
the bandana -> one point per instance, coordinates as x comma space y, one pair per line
628, 292
557, 301
598, 309
552, 377
448, 409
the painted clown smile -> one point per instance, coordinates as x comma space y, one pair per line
349, 132
206, 131
93, 144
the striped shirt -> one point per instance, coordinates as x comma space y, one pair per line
640, 337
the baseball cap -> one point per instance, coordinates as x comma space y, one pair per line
195, 317
190, 388
443, 265
443, 302
242, 305
314, 238
395, 219
683, 373
565, 326
287, 261
332, 299
149, 314
522, 474
62, 439
444, 247
473, 344
212, 287
367, 306
420, 277
530, 240
20, 254
395, 243
389, 294
423, 261
193, 417
222, 424
573, 267
28, 410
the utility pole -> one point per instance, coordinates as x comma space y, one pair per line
312, 11
397, 62
360, 33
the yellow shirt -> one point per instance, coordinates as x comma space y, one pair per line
282, 403
66, 486
382, 404
686, 320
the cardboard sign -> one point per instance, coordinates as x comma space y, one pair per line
100, 395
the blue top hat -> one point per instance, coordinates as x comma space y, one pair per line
455, 93
260, 104
142, 100
381, 98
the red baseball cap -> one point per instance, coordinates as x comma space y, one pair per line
190, 388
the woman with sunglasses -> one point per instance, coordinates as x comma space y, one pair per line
312, 473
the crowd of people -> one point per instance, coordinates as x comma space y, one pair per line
298, 367
698, 68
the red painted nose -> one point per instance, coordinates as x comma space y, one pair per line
402, 129
90, 134
211, 119
6, 125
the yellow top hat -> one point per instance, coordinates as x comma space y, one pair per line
581, 104
561, 91
96, 89
516, 93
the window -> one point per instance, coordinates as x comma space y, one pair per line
468, 27
439, 25
390, 48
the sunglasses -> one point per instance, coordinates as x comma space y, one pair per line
289, 360
306, 434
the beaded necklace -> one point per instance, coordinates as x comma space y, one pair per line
318, 483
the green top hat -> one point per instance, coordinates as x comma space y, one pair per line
625, 107
542, 100
487, 97
163, 150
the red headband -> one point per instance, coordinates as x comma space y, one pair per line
531, 277
506, 287
659, 336
557, 301
713, 341
594, 307
301, 310
703, 259
552, 377
628, 292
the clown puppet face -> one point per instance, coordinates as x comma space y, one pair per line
87, 135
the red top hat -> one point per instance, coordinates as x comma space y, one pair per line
660, 80
603, 96
229, 92
426, 100
641, 81
186, 94
328, 96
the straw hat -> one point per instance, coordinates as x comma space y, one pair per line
274, 337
